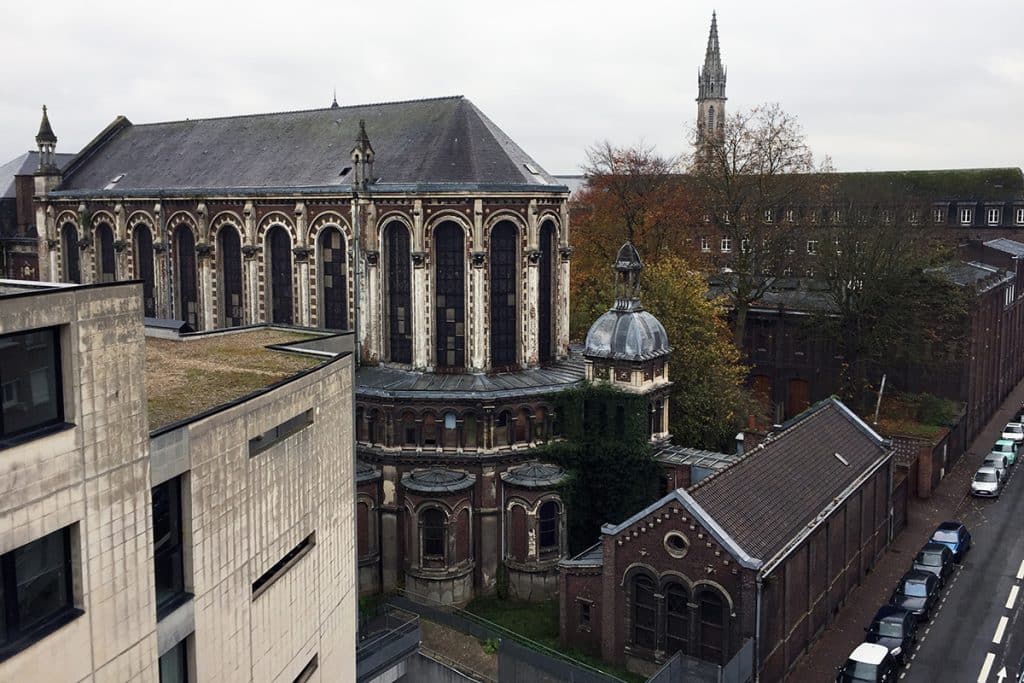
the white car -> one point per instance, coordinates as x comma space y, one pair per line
987, 482
1013, 431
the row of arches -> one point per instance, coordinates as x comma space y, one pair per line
671, 615
452, 430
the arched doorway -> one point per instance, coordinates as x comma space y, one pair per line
504, 267
333, 276
143, 242
229, 257
279, 278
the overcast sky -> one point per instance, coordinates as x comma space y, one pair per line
877, 84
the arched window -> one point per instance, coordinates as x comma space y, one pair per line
504, 264
399, 294
517, 533
677, 619
656, 414
432, 536
450, 297
69, 247
546, 276
229, 255
645, 612
188, 306
280, 276
333, 277
547, 528
711, 616
105, 261
143, 242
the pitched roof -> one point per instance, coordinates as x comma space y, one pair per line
26, 164
766, 499
973, 274
972, 184
1007, 246
447, 142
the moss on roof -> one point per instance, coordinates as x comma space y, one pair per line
185, 378
951, 184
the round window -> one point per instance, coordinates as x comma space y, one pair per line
676, 544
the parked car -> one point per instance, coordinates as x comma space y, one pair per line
868, 662
1007, 448
987, 482
1014, 431
996, 462
955, 536
896, 629
917, 592
937, 559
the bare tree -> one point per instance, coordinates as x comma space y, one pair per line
753, 183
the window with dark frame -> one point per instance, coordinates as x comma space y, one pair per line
399, 293
334, 276
282, 566
644, 613
544, 289
280, 277
69, 247
173, 664
168, 548
31, 394
547, 526
308, 670
504, 237
432, 522
229, 255
450, 297
105, 258
279, 433
36, 593
677, 619
144, 267
584, 615
188, 306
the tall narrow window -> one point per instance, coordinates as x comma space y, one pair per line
229, 257
143, 240
450, 297
677, 619
544, 290
433, 536
547, 527
504, 264
69, 247
711, 118
173, 664
645, 612
333, 276
30, 382
711, 613
188, 306
105, 268
399, 292
280, 275
168, 557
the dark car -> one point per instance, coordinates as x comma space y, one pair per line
896, 629
955, 536
917, 592
937, 559
868, 662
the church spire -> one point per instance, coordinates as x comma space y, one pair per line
711, 78
46, 141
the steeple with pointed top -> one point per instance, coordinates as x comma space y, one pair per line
46, 141
362, 158
711, 88
334, 100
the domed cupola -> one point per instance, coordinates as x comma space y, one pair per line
628, 346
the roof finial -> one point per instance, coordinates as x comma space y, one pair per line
334, 101
45, 133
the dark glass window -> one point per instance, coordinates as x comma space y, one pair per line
644, 612
547, 526
280, 276
677, 619
174, 664
308, 670
260, 443
35, 590
450, 297
144, 268
503, 294
168, 558
283, 565
30, 386
547, 265
711, 612
69, 247
333, 277
105, 269
229, 253
399, 293
433, 534
188, 300
584, 614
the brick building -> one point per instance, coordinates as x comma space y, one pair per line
175, 509
729, 559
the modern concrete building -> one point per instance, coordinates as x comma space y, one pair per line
174, 509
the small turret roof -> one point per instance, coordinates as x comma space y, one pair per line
45, 133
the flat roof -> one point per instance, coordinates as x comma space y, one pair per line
193, 375
21, 287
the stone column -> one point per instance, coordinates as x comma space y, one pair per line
250, 271
160, 294
420, 303
529, 327
48, 267
86, 262
391, 538
302, 252
478, 346
372, 314
204, 293
120, 244
488, 516
561, 310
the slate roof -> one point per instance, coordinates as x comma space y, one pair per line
447, 143
26, 164
1007, 246
437, 480
767, 498
394, 383
974, 274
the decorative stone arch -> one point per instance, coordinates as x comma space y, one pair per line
447, 215
142, 257
388, 217
229, 297
671, 576
366, 526
641, 616
179, 218
635, 568
448, 349
276, 218
279, 283
102, 216
712, 637
184, 274
505, 215
550, 215
708, 585
395, 284
423, 542
141, 217
69, 254
331, 303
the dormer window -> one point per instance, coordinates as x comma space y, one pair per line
726, 245
939, 214
992, 215
966, 216
769, 216
114, 181
705, 245
1019, 215
915, 217
790, 215
744, 245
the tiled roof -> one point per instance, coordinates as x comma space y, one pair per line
766, 499
443, 141
26, 164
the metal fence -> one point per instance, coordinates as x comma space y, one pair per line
385, 639
739, 669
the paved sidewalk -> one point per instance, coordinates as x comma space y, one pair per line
947, 502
